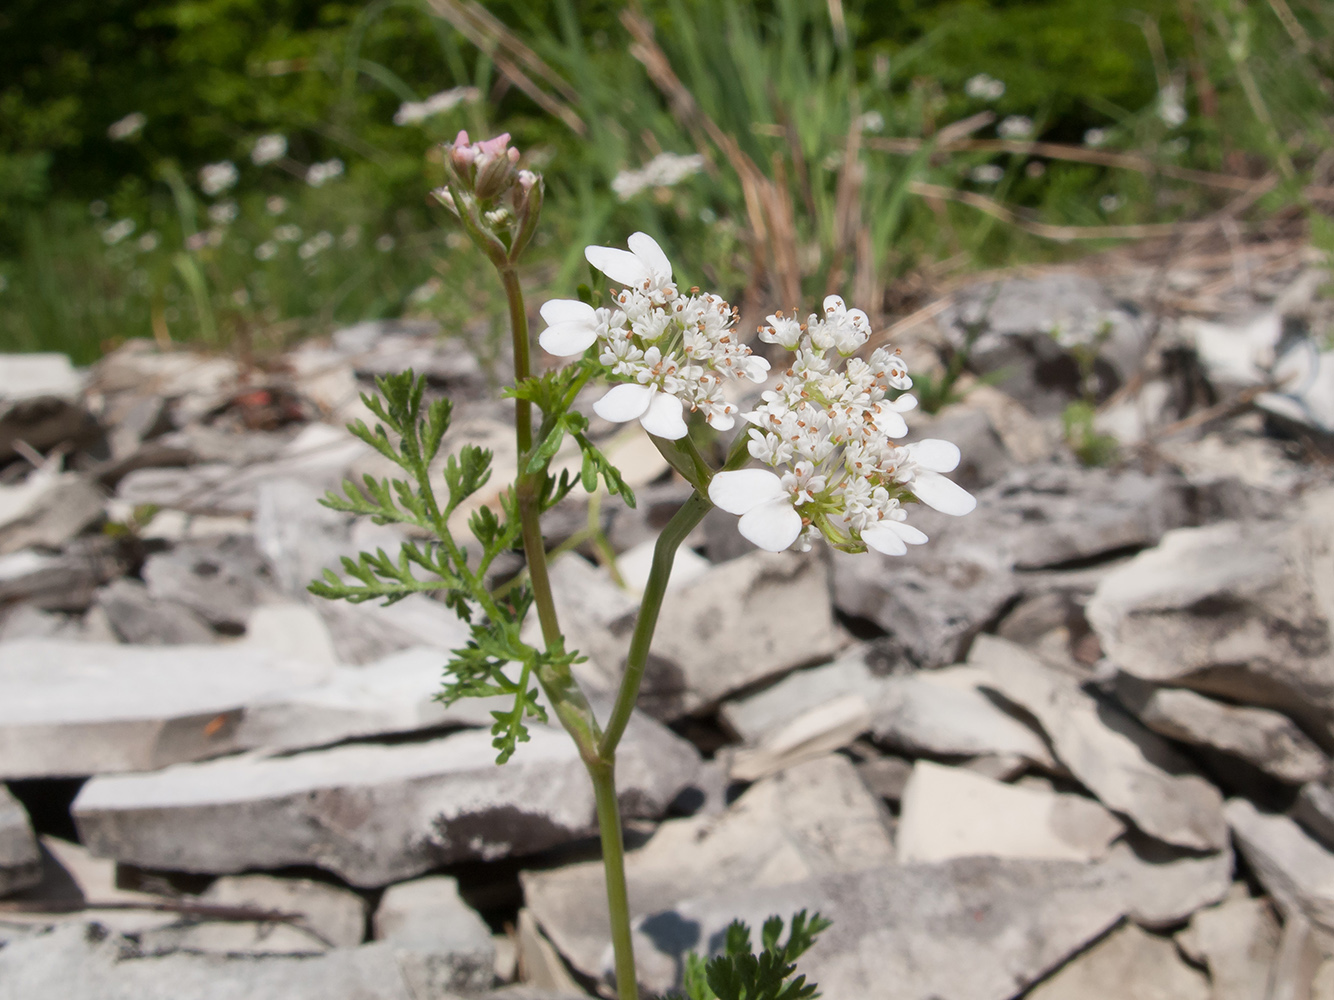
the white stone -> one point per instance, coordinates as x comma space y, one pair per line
820, 731
948, 812
1297, 871
1131, 770
635, 564
1128, 964
73, 708
814, 819
441, 942
1237, 941
291, 631
373, 814
20, 861
28, 376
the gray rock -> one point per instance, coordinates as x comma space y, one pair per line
1022, 327
373, 814
73, 708
441, 942
1266, 739
817, 732
46, 510
387, 347
142, 619
984, 456
20, 861
1130, 769
858, 671
329, 917
814, 819
899, 931
885, 777
747, 620
1239, 610
539, 964
320, 454
948, 812
88, 962
28, 376
1162, 887
1314, 809
1296, 870
1236, 940
59, 582
221, 583
1128, 964
1298, 961
39, 402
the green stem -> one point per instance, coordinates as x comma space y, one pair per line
613, 864
664, 553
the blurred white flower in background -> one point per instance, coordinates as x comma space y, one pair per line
1015, 127
1095, 137
287, 234
412, 112
117, 231
1177, 146
424, 292
149, 242
871, 121
986, 173
215, 178
97, 208
984, 88
320, 173
275, 205
4, 284
1172, 106
224, 212
128, 127
664, 170
268, 148
384, 243
1109, 202
351, 236
266, 250
317, 244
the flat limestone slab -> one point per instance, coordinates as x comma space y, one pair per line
371, 813
20, 861
74, 708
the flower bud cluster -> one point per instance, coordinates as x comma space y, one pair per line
829, 433
674, 350
497, 202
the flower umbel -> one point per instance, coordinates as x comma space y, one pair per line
829, 433
673, 350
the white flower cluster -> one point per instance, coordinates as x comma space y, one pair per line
983, 87
413, 112
831, 431
676, 350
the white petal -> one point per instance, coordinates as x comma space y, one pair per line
905, 403
556, 311
935, 454
623, 402
565, 340
620, 266
663, 417
884, 539
773, 525
833, 303
907, 532
890, 423
722, 421
742, 490
646, 248
946, 496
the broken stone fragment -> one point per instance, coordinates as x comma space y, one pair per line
141, 619
1128, 964
1263, 738
1130, 769
1237, 941
76, 708
1297, 871
442, 944
20, 861
948, 812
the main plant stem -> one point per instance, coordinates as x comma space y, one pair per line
597, 749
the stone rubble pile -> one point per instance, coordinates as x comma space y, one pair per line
1077, 746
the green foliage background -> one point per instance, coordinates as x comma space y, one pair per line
212, 75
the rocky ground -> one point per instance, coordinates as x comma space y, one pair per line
1075, 747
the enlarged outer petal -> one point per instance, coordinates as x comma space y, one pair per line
557, 311
774, 525
889, 422
935, 454
565, 340
892, 537
621, 266
646, 248
741, 491
627, 401
664, 418
945, 495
